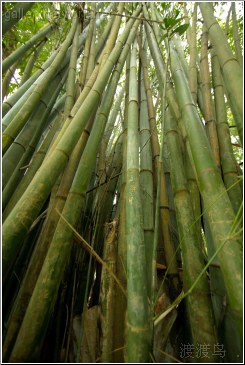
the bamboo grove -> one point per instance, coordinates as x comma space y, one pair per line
122, 132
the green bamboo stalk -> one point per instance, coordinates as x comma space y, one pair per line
103, 201
7, 79
107, 292
138, 328
12, 100
19, 52
103, 37
27, 86
187, 21
209, 113
199, 301
230, 67
228, 21
114, 173
41, 185
120, 300
113, 115
31, 62
27, 141
70, 89
228, 161
179, 49
193, 188
34, 166
172, 213
85, 58
99, 66
91, 63
192, 71
169, 249
11, 17
57, 203
223, 318
237, 44
155, 26
146, 183
35, 322
21, 117
216, 200
35, 125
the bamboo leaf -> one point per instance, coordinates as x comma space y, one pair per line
181, 29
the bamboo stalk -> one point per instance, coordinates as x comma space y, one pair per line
230, 67
146, 182
192, 71
107, 292
138, 328
169, 249
120, 300
34, 165
228, 162
19, 52
35, 322
87, 47
236, 35
13, 98
89, 85
35, 125
7, 79
209, 113
41, 185
199, 301
21, 117
31, 62
220, 212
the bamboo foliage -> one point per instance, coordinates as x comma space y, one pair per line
122, 199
